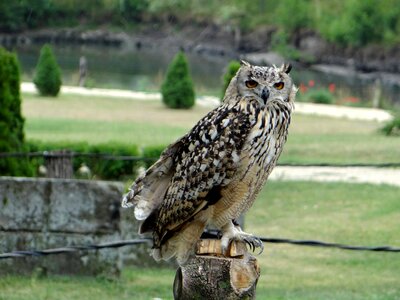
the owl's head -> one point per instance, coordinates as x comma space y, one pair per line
265, 84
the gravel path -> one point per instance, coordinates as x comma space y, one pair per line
389, 176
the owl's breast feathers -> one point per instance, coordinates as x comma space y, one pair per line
190, 173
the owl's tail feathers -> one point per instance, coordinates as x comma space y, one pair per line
182, 244
148, 191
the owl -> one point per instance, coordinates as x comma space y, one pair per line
214, 173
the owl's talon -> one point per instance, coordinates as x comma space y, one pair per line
254, 242
234, 233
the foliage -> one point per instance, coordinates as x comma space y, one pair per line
293, 15
133, 9
100, 168
48, 75
11, 120
361, 23
392, 128
231, 71
319, 96
353, 22
23, 14
177, 88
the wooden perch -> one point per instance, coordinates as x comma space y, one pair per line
59, 164
211, 274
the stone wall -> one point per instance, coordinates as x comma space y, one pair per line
38, 214
51, 213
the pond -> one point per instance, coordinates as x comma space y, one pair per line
144, 69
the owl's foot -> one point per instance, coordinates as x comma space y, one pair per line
234, 233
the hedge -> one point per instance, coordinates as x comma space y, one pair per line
100, 168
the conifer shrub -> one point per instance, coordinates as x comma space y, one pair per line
231, 71
177, 89
48, 75
11, 120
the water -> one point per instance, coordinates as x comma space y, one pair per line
144, 70
131, 69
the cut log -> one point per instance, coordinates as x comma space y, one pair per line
211, 274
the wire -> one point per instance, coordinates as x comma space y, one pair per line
372, 165
208, 234
330, 245
107, 156
72, 154
312, 243
69, 249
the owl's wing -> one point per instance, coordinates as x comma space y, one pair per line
207, 159
148, 190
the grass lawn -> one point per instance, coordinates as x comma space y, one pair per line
356, 214
312, 139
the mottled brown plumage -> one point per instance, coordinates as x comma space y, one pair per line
213, 174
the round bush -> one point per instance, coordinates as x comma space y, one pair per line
177, 89
48, 76
320, 96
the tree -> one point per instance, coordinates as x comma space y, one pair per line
11, 120
133, 9
360, 23
48, 76
293, 15
177, 89
231, 71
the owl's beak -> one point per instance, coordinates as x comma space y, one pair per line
265, 94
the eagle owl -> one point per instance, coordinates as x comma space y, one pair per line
213, 174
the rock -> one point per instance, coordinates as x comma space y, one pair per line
313, 45
267, 58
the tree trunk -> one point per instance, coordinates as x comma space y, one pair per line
212, 275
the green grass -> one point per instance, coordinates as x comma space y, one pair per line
323, 139
138, 284
96, 120
357, 214
96, 132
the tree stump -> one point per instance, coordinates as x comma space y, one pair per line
59, 164
211, 274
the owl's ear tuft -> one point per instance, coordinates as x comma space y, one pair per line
286, 68
244, 63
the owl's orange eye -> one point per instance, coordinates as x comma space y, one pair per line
251, 84
279, 85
